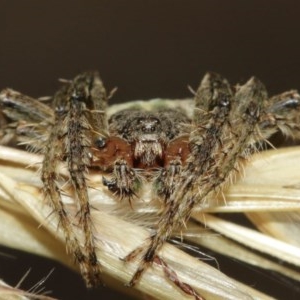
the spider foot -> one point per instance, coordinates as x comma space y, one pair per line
166, 181
124, 182
137, 275
170, 274
132, 255
144, 264
122, 192
89, 267
92, 277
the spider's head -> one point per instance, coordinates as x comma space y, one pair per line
148, 133
148, 139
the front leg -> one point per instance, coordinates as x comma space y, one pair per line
223, 127
176, 154
167, 179
79, 123
211, 118
114, 155
125, 181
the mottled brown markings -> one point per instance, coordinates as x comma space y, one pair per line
207, 128
74, 130
187, 161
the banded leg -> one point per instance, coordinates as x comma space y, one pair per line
167, 180
79, 123
223, 126
85, 124
213, 101
53, 154
24, 120
124, 182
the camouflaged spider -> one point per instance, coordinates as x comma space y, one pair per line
187, 160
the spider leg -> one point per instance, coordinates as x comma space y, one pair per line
53, 152
167, 179
281, 113
24, 120
223, 124
85, 123
124, 181
79, 123
31, 119
115, 154
203, 141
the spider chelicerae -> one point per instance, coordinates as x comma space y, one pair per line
187, 159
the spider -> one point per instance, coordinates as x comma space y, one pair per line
186, 159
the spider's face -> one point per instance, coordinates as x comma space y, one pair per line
144, 139
148, 140
136, 125
147, 133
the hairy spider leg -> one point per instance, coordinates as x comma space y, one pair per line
214, 145
73, 134
29, 119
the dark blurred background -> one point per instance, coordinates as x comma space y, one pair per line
147, 49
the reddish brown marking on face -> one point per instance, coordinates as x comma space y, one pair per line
115, 148
177, 148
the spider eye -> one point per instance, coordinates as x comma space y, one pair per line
148, 125
100, 142
60, 110
224, 101
291, 103
77, 96
252, 110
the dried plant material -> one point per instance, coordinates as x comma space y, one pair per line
284, 188
116, 235
255, 240
231, 248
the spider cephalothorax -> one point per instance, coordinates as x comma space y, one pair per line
141, 141
187, 159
